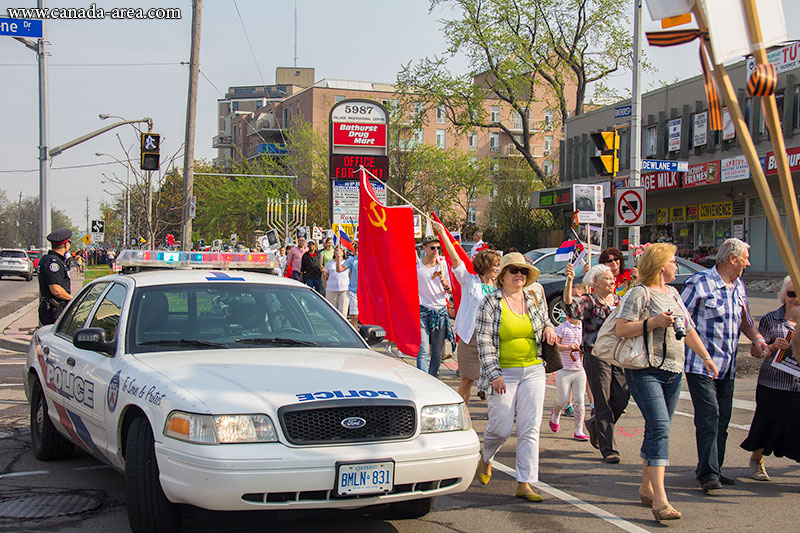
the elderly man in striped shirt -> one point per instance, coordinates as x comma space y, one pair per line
718, 305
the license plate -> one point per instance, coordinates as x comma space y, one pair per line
364, 478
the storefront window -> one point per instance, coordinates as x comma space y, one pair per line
657, 233
683, 234
723, 230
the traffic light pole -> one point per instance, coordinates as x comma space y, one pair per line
44, 140
634, 179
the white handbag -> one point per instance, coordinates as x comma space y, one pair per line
625, 352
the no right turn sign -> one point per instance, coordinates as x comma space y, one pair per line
630, 206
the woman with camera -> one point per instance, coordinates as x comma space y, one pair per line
655, 308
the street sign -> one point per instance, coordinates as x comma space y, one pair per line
97, 229
193, 207
623, 111
21, 28
658, 165
630, 206
86, 239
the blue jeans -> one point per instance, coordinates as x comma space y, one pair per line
431, 346
713, 403
656, 392
315, 284
296, 275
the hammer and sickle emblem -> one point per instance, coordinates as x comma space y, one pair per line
380, 216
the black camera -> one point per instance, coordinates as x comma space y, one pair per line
679, 327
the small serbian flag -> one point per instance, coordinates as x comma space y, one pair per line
564, 252
345, 242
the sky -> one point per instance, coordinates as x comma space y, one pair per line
133, 69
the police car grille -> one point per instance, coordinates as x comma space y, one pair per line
324, 425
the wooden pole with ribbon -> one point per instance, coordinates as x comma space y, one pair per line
376, 178
760, 181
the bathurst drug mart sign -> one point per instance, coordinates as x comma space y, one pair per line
359, 135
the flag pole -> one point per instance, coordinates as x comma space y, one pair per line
397, 194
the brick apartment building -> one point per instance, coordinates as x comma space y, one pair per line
253, 119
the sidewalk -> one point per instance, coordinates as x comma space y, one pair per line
17, 328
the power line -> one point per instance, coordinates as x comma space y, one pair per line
248, 42
61, 168
163, 64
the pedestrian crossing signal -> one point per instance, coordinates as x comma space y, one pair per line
607, 163
149, 155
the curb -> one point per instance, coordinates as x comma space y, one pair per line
12, 343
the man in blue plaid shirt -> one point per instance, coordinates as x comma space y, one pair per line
716, 300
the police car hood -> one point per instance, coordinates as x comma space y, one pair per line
262, 380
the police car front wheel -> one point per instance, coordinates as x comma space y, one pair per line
148, 507
48, 444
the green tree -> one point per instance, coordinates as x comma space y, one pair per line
27, 212
521, 52
515, 223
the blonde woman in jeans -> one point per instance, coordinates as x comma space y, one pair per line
510, 331
657, 388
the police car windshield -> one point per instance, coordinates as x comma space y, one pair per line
240, 315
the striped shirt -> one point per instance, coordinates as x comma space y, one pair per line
570, 334
717, 311
773, 326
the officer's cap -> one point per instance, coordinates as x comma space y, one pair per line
60, 236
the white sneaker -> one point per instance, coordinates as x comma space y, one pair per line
758, 470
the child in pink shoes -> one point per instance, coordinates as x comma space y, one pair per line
570, 378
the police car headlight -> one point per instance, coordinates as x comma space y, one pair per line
222, 429
451, 417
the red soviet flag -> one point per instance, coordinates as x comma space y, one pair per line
462, 254
388, 295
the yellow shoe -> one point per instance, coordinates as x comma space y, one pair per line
484, 478
530, 496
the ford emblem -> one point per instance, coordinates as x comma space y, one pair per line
353, 422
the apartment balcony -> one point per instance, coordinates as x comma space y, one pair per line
222, 141
508, 150
267, 148
266, 125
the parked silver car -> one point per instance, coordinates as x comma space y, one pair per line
15, 262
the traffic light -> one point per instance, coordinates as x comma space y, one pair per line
149, 155
607, 163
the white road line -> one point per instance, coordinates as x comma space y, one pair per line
13, 362
22, 474
577, 502
10, 384
730, 425
746, 405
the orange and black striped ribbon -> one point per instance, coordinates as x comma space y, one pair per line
674, 37
763, 80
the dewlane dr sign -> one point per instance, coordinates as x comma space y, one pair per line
656, 165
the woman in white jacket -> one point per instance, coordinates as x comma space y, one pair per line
473, 288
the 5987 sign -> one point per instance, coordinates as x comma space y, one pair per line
360, 112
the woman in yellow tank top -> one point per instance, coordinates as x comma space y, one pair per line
510, 330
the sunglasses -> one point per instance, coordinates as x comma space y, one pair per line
610, 261
791, 294
435, 248
518, 270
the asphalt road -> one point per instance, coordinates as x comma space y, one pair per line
16, 292
581, 492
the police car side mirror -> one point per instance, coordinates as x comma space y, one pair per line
372, 334
94, 339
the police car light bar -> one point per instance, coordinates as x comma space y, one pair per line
199, 260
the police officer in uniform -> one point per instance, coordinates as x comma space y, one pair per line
54, 284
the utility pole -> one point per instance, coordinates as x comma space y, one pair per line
636, 118
191, 113
19, 208
44, 139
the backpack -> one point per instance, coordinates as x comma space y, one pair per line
627, 352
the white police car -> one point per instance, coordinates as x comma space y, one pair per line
232, 390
